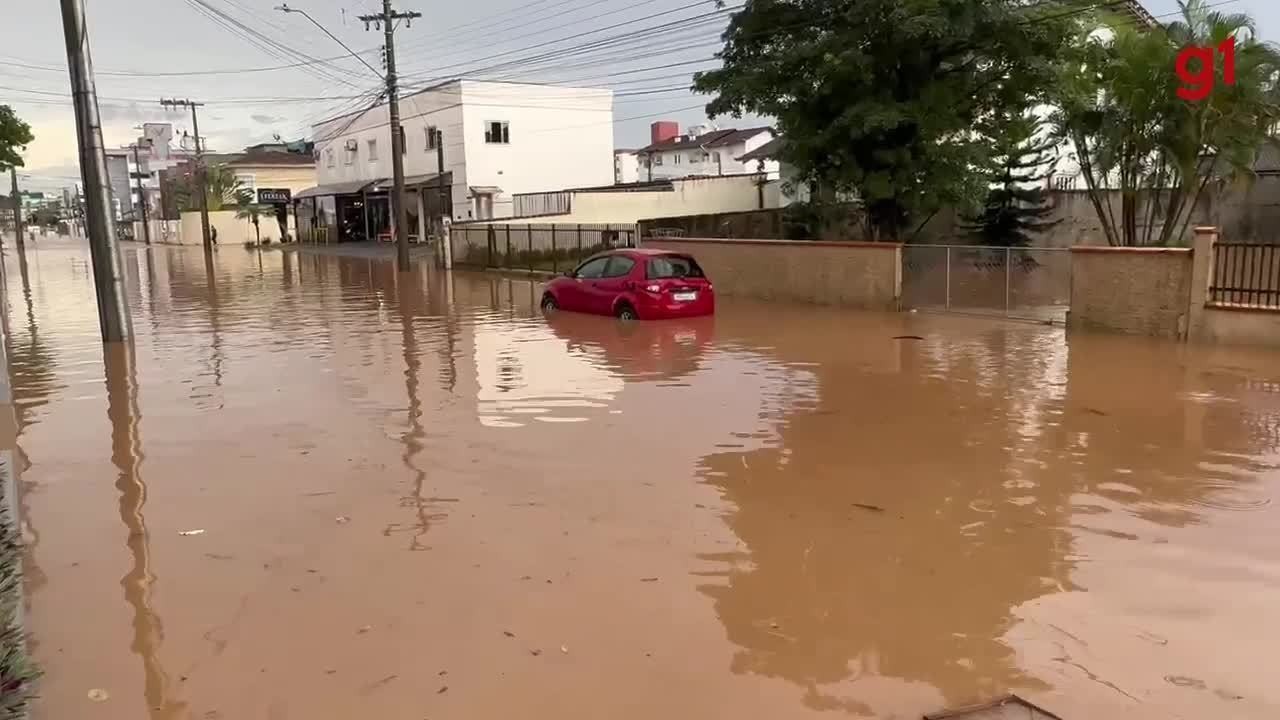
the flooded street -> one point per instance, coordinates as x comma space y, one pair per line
315, 489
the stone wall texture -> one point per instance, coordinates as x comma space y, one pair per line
857, 275
1142, 291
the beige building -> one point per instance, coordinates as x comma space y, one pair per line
273, 177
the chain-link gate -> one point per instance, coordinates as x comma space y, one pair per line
1024, 283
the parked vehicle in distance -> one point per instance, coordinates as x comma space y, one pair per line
633, 284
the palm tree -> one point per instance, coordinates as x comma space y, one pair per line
247, 209
221, 187
1118, 104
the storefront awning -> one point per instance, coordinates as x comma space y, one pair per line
344, 188
414, 181
485, 190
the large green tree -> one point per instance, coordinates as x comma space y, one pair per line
879, 99
1147, 155
15, 135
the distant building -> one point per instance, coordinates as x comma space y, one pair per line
701, 150
626, 166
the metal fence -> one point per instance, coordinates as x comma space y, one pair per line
544, 247
1025, 283
1245, 274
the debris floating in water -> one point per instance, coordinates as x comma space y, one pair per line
99, 695
865, 506
907, 337
191, 532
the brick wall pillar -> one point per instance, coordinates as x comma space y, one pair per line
1201, 274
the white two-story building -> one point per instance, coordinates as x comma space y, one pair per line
701, 150
496, 139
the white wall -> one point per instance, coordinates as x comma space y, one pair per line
691, 196
559, 138
626, 168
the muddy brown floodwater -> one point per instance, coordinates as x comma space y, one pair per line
417, 498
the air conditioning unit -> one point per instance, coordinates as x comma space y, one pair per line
353, 145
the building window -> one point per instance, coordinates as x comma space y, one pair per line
373, 150
657, 159
328, 155
247, 182
676, 158
496, 133
431, 138
715, 156
352, 149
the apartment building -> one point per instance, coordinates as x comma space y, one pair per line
469, 147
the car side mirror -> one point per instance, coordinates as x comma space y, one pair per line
568, 273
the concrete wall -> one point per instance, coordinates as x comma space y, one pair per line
858, 275
1142, 291
686, 196
231, 230
1239, 326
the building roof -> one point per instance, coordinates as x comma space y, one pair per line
271, 159
1268, 162
714, 138
767, 151
1134, 10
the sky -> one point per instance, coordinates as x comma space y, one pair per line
644, 50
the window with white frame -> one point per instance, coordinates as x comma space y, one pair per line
431, 138
676, 158
246, 181
657, 159
328, 157
372, 145
351, 150
496, 132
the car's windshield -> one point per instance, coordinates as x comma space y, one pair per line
673, 266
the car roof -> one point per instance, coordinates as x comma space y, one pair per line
641, 252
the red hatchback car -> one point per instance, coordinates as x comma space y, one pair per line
634, 284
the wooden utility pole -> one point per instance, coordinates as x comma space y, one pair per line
108, 278
201, 172
17, 208
142, 194
387, 20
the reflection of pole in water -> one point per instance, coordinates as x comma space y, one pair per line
138, 583
409, 289
215, 337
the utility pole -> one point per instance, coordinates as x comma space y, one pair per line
446, 207
17, 208
108, 280
201, 172
142, 195
387, 19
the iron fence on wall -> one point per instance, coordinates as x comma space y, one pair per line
1026, 283
1245, 274
535, 247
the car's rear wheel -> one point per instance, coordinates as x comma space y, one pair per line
626, 312
549, 303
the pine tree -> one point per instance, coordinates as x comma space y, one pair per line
1016, 205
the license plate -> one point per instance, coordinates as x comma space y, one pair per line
684, 296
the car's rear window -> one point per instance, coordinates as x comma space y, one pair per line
673, 266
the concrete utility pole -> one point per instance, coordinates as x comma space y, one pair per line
108, 280
201, 172
142, 195
387, 20
446, 207
17, 208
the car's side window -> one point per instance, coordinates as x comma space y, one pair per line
591, 269
619, 266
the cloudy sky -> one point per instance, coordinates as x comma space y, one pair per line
254, 66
